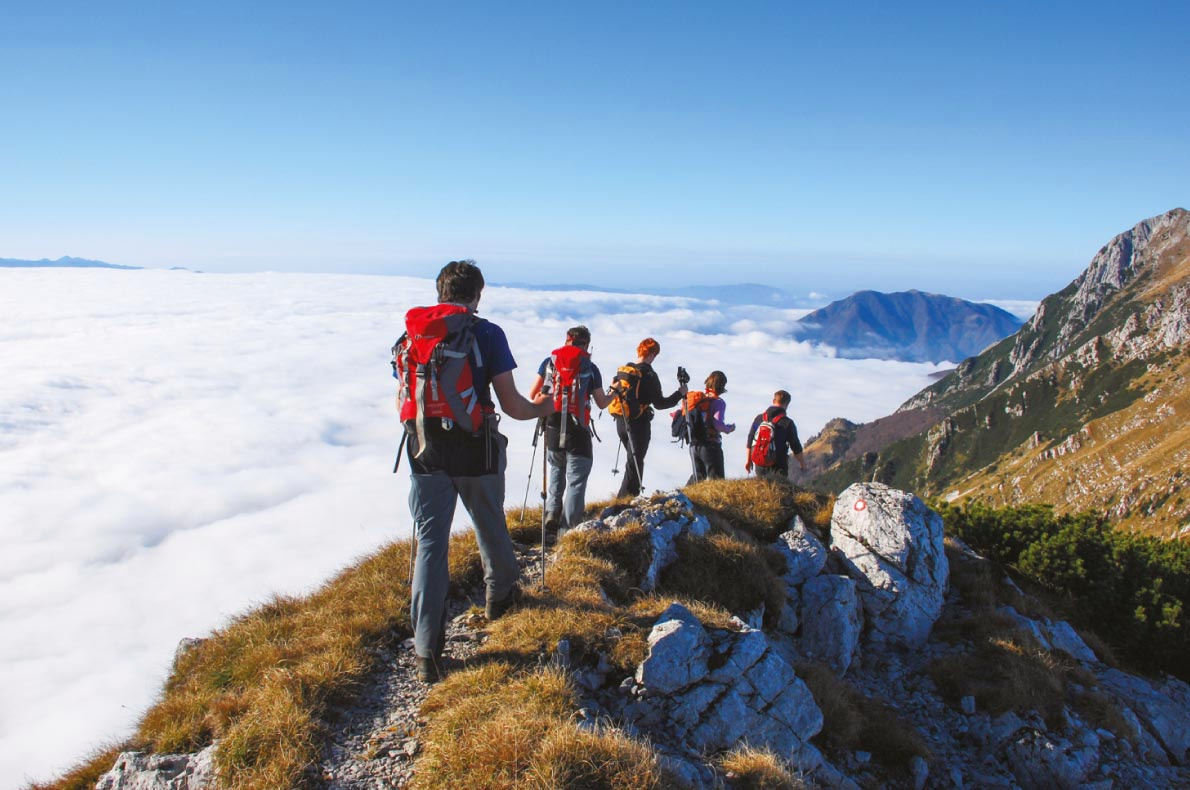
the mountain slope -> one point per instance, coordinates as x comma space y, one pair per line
910, 325
1083, 407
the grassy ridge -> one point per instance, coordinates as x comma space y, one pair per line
261, 684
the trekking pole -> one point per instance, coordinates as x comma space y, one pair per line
544, 474
532, 461
616, 465
690, 439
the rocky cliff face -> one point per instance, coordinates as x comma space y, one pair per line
1084, 407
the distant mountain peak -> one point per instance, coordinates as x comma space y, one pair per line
1078, 408
64, 262
912, 325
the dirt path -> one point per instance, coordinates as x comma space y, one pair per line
372, 742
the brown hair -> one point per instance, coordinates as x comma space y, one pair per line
648, 346
782, 398
717, 381
579, 336
459, 282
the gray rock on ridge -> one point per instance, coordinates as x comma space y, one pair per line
144, 771
891, 544
736, 687
666, 517
1163, 707
1040, 763
832, 621
804, 554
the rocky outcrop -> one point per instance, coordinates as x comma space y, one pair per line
667, 517
832, 621
707, 689
1163, 708
804, 554
891, 544
144, 771
1041, 763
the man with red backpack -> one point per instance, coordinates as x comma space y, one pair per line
572, 381
771, 438
447, 363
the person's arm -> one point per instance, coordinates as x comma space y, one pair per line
538, 381
516, 405
751, 438
653, 395
718, 415
598, 393
796, 446
601, 398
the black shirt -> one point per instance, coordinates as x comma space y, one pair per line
784, 434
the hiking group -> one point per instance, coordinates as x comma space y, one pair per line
449, 361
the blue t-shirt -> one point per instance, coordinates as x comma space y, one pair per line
496, 358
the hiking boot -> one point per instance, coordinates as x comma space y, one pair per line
495, 609
429, 670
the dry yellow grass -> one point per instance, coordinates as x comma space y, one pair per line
756, 769
86, 773
261, 684
575, 758
523, 635
759, 506
726, 571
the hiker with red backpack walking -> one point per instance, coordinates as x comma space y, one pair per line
572, 381
705, 414
447, 363
636, 392
771, 438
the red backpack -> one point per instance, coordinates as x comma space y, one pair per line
433, 363
764, 448
570, 377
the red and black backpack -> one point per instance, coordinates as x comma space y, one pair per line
433, 363
570, 375
764, 445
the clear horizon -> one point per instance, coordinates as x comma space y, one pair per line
980, 151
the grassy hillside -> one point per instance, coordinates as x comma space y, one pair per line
262, 684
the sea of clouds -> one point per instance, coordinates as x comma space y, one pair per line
176, 447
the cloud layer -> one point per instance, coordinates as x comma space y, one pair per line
177, 447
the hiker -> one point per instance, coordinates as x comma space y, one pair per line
455, 450
706, 413
573, 381
636, 391
771, 438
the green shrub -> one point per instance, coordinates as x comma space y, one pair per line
1129, 589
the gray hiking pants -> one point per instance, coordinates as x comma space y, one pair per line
432, 501
568, 486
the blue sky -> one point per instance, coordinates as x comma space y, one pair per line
978, 149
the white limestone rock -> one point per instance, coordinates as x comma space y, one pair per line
1041, 763
144, 771
832, 621
1162, 706
678, 651
707, 689
804, 554
891, 544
